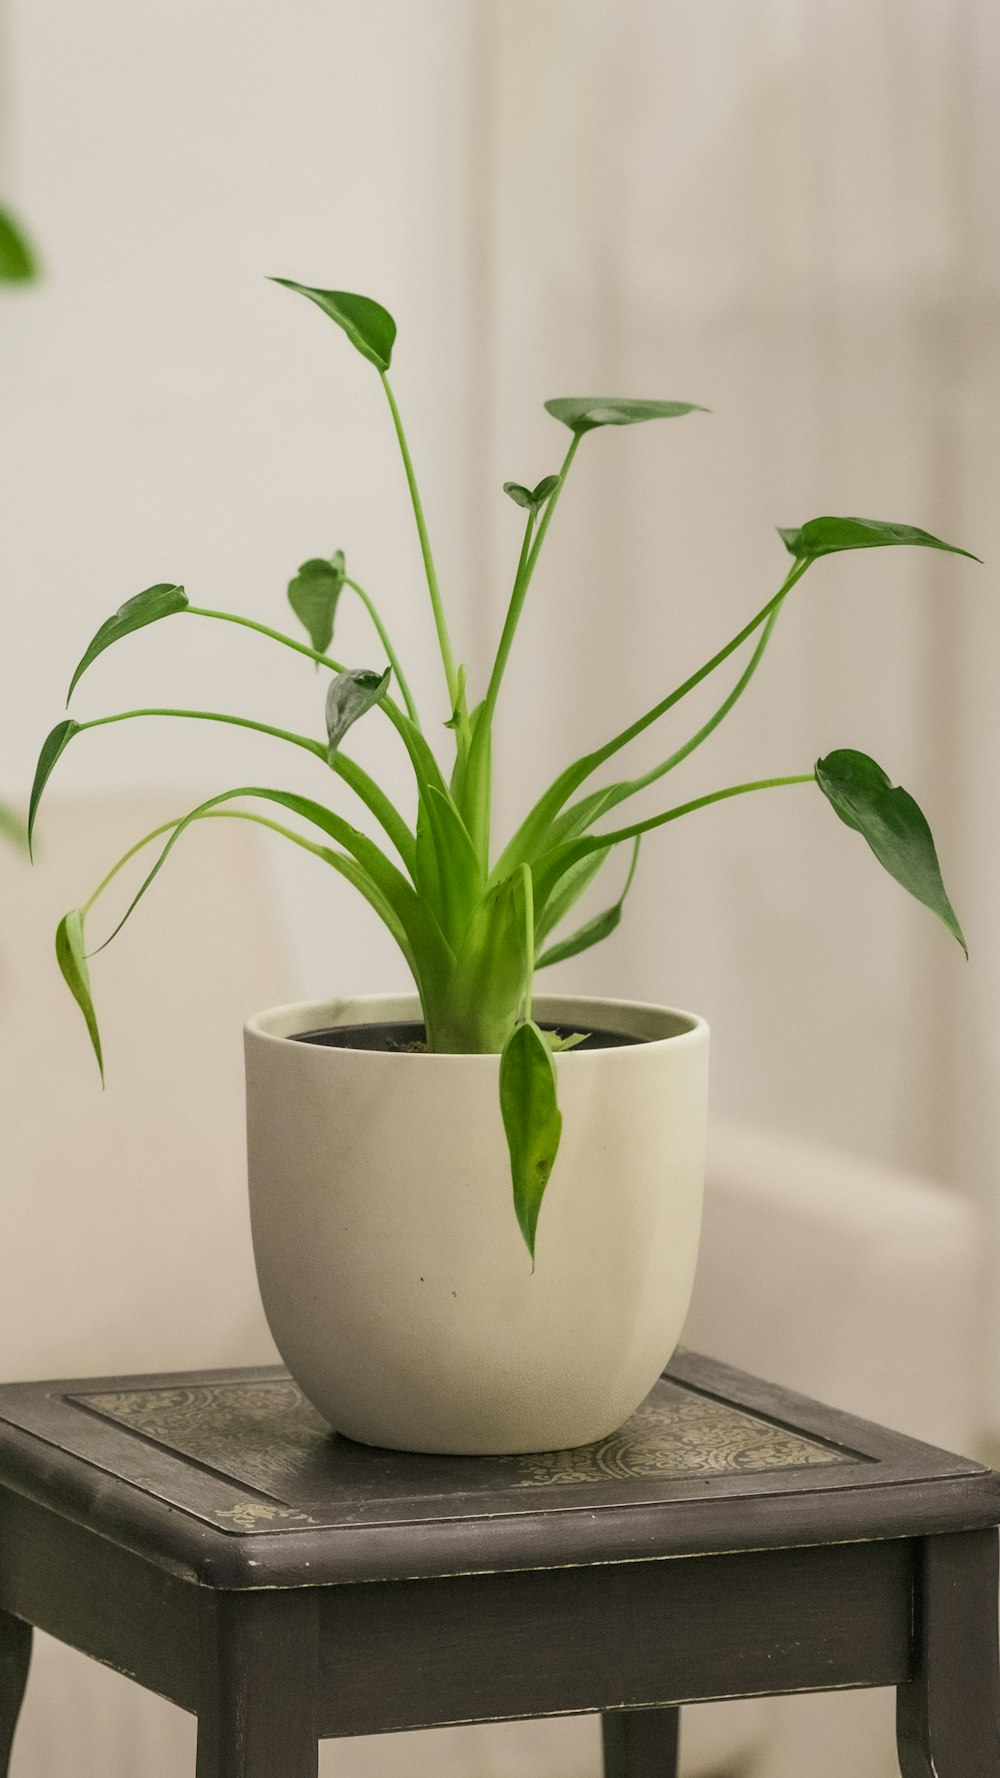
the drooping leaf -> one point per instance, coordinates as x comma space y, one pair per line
592, 931
532, 1121
581, 413
313, 596
827, 536
162, 600
532, 499
369, 327
865, 798
17, 261
351, 694
53, 745
72, 960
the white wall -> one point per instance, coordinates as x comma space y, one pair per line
787, 212
169, 415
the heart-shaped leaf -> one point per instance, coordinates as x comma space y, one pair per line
827, 536
581, 413
53, 745
369, 327
532, 1121
72, 960
865, 798
17, 262
351, 693
313, 596
146, 608
532, 499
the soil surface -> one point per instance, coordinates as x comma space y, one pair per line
411, 1038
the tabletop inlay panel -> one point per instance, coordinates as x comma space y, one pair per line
264, 1435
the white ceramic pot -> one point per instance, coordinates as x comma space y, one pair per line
393, 1273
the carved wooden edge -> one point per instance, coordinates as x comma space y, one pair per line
913, 1491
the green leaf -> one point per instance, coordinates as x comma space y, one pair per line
557, 1042
827, 536
17, 261
146, 608
351, 694
581, 413
449, 875
369, 327
459, 712
593, 931
572, 886
313, 596
72, 960
532, 1121
532, 499
53, 745
864, 797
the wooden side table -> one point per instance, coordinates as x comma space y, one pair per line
206, 1535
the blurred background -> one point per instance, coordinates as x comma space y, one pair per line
787, 212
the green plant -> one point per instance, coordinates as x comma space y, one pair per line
473, 928
18, 264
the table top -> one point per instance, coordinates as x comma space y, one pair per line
230, 1478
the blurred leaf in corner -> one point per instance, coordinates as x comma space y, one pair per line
18, 264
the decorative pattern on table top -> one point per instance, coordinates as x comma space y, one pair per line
680, 1434
265, 1435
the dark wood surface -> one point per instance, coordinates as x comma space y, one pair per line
207, 1535
641, 1742
231, 1478
948, 1715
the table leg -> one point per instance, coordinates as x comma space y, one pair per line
257, 1716
640, 1743
948, 1716
15, 1653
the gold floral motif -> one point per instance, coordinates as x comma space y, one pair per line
679, 1433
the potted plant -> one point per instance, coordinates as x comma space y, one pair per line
476, 1210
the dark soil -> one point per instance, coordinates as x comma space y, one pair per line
411, 1038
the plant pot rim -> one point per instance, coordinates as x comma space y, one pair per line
651, 1024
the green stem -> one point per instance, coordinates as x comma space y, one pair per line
643, 722
358, 780
580, 814
535, 827
391, 654
409, 731
126, 858
440, 622
529, 936
510, 621
262, 728
522, 580
249, 623
210, 815
596, 841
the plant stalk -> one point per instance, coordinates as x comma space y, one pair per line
440, 621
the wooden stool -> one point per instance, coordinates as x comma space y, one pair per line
207, 1535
